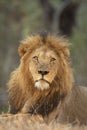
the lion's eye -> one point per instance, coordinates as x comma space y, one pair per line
52, 59
35, 58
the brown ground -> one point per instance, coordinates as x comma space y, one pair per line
24, 122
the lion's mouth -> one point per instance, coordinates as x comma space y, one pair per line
43, 80
42, 84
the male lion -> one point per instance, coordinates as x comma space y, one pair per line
43, 82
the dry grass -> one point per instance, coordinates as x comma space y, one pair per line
26, 122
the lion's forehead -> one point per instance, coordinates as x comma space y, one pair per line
44, 52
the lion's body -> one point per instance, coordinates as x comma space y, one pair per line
74, 108
43, 83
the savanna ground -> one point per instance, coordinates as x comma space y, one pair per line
24, 122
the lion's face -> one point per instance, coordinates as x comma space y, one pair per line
45, 64
43, 67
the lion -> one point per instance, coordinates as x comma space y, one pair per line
43, 84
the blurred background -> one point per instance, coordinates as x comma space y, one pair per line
19, 18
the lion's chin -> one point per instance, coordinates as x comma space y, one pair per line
42, 84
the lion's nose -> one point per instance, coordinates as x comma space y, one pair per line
43, 72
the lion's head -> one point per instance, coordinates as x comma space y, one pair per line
45, 60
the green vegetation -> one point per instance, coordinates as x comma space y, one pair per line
3, 110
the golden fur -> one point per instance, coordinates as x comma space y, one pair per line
52, 96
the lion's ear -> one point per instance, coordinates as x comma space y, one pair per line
65, 50
22, 49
